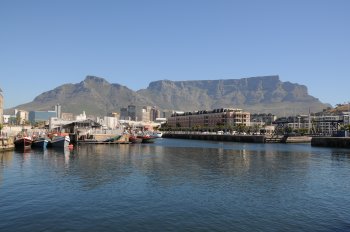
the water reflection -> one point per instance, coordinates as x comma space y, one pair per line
6, 158
184, 185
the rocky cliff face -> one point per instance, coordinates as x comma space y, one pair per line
257, 94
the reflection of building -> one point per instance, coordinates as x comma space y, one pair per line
40, 116
1, 106
210, 119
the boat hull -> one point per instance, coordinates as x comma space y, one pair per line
23, 143
59, 141
147, 139
134, 139
40, 143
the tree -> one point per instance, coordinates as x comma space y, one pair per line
1, 126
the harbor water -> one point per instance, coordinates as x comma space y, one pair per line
176, 185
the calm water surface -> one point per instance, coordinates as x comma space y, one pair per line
176, 185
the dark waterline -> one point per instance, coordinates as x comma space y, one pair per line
176, 185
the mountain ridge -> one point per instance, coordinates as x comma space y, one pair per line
261, 94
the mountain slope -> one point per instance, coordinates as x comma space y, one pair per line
94, 95
256, 94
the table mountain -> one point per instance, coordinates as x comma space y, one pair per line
265, 94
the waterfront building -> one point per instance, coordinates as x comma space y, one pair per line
262, 119
114, 115
6, 118
1, 106
209, 119
146, 114
40, 116
67, 116
21, 116
108, 122
150, 114
81, 117
154, 114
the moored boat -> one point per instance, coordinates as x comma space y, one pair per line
59, 141
135, 139
24, 142
158, 134
147, 138
40, 142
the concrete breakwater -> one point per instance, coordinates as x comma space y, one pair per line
341, 142
216, 137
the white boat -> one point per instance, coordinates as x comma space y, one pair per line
158, 134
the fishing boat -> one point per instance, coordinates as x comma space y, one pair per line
59, 141
23, 142
40, 142
147, 138
135, 139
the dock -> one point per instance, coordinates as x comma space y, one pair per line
6, 144
338, 142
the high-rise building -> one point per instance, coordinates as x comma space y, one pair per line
154, 114
132, 112
146, 113
124, 114
58, 111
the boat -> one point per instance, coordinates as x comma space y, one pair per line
113, 139
23, 142
135, 139
158, 134
40, 142
147, 138
59, 141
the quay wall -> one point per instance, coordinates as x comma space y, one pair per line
215, 137
340, 142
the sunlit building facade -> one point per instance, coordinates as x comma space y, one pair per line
211, 119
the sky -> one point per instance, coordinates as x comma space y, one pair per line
45, 44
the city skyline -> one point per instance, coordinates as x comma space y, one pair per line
48, 44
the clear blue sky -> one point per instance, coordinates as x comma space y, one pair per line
44, 44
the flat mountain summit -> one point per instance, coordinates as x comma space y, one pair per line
266, 94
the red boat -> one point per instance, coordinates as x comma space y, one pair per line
147, 138
23, 142
134, 139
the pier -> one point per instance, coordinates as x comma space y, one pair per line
217, 137
239, 138
339, 142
